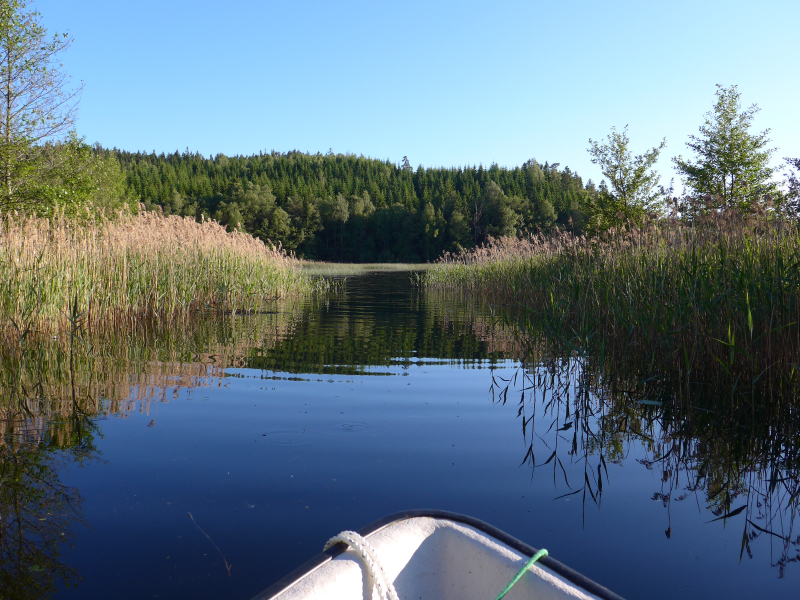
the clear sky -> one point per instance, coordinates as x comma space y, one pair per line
445, 83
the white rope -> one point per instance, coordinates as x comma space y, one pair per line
369, 557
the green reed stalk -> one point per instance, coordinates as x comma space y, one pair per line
721, 298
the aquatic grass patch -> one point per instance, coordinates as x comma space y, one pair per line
681, 337
113, 272
718, 301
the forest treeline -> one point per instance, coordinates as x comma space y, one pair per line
346, 207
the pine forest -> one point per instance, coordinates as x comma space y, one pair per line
350, 208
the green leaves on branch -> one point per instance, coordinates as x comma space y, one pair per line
631, 178
731, 169
37, 111
74, 175
632, 181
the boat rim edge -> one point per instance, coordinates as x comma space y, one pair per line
561, 569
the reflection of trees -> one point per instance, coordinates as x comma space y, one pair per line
344, 338
37, 511
740, 453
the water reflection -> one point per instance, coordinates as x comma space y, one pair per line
386, 321
739, 457
55, 391
339, 412
38, 512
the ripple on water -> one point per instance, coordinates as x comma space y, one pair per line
288, 437
355, 428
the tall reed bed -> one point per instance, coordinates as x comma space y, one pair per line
109, 272
718, 301
685, 337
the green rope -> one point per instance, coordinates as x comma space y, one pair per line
527, 566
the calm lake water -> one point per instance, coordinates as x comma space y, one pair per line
210, 465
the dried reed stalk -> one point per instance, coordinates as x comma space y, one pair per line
112, 272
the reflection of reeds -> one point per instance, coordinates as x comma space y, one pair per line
718, 301
44, 381
682, 338
742, 460
132, 267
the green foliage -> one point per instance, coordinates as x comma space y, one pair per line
732, 165
632, 181
102, 183
88, 177
347, 207
501, 219
39, 154
606, 211
791, 201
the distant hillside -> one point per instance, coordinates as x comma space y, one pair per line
351, 208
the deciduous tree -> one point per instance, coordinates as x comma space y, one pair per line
732, 164
37, 110
632, 179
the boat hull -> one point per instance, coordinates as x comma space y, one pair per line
435, 554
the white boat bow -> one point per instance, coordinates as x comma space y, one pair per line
437, 555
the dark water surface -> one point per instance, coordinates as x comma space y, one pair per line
219, 465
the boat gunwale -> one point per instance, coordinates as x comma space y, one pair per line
320, 559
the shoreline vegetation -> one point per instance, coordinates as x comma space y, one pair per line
716, 301
61, 272
681, 336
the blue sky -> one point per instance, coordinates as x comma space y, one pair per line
445, 83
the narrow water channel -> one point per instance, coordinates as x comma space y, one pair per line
212, 467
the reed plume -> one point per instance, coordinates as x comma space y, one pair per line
113, 271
